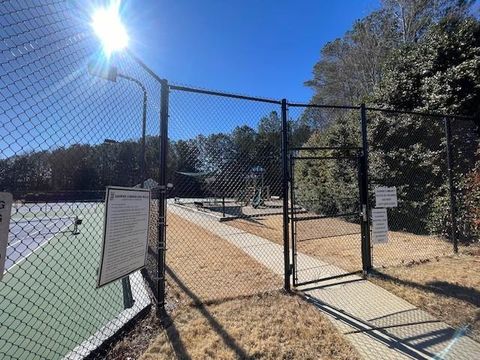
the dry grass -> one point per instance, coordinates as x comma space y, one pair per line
211, 267
448, 288
223, 309
265, 326
337, 242
420, 269
135, 341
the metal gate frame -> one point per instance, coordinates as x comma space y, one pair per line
362, 156
356, 153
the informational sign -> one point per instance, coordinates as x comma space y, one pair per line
5, 211
386, 197
125, 235
379, 226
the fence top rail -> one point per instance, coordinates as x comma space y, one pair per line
318, 106
314, 148
420, 113
323, 157
223, 94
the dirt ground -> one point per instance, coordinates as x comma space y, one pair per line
337, 242
448, 288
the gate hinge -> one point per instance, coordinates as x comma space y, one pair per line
290, 269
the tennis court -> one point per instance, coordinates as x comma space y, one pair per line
26, 236
50, 304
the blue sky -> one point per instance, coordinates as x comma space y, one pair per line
257, 47
262, 48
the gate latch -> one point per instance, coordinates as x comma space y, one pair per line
364, 213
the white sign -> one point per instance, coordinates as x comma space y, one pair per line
125, 234
379, 226
386, 197
5, 211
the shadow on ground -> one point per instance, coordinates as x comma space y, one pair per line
174, 336
444, 288
394, 332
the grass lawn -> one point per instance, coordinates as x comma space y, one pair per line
448, 288
210, 267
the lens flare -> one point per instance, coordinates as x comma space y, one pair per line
108, 26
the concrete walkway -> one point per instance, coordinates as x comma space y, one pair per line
379, 324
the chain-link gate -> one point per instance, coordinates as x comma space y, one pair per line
328, 232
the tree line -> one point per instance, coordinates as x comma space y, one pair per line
216, 164
413, 55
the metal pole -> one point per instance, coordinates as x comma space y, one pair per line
366, 245
451, 185
162, 201
285, 179
293, 217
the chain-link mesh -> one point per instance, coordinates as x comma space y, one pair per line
465, 164
401, 154
69, 129
404, 155
225, 209
66, 135
325, 199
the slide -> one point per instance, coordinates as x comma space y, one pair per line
257, 200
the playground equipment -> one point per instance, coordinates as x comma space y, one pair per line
255, 192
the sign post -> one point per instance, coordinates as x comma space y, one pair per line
125, 235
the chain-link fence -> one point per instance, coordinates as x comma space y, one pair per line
402, 154
428, 163
73, 123
430, 159
66, 135
465, 167
226, 170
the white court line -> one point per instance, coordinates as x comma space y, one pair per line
32, 251
36, 233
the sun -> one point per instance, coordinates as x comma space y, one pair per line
107, 25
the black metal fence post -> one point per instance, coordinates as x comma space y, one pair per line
451, 185
162, 201
285, 179
293, 219
365, 228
